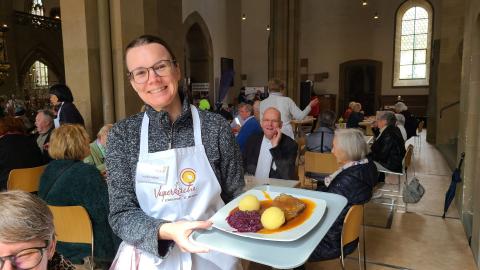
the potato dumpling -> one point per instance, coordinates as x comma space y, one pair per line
272, 218
249, 203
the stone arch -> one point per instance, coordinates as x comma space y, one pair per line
198, 57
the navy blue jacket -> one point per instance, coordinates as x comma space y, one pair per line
356, 184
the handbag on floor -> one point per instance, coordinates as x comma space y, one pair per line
413, 191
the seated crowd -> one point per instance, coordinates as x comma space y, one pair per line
75, 174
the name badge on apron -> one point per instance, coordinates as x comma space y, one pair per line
152, 173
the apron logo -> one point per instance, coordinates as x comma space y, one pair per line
188, 176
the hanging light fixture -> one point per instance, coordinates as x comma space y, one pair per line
364, 3
268, 27
244, 17
375, 16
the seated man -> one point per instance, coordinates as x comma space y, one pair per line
250, 125
270, 154
389, 147
44, 124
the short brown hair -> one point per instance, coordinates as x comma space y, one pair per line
69, 142
276, 85
25, 217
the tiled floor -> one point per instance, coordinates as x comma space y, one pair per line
420, 238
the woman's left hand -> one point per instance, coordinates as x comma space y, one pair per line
179, 232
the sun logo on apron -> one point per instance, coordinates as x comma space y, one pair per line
188, 176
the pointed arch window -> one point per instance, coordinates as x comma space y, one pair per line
413, 37
37, 76
37, 7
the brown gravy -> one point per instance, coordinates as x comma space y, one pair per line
298, 220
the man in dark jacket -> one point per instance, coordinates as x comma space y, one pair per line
389, 147
270, 154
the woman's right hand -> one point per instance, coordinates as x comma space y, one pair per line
179, 232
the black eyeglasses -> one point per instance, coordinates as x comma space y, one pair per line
25, 259
161, 68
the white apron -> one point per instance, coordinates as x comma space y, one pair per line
176, 184
56, 121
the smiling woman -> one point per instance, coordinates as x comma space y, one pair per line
150, 206
27, 238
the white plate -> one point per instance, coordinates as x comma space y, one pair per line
220, 222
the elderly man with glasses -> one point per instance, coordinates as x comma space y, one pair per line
270, 154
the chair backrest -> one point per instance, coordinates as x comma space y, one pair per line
352, 224
408, 156
72, 224
323, 163
26, 179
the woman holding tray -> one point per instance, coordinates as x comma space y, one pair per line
169, 169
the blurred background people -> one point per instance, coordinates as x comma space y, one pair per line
69, 181
388, 148
17, 149
321, 140
401, 125
66, 112
97, 149
250, 125
356, 116
348, 111
410, 120
27, 234
285, 105
44, 124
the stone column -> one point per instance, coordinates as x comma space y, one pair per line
283, 47
81, 54
468, 198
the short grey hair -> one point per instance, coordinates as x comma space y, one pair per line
47, 114
25, 217
400, 107
352, 143
247, 106
388, 116
400, 119
327, 119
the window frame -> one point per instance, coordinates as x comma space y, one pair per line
402, 9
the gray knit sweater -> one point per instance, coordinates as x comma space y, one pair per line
127, 219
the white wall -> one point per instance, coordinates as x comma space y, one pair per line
336, 31
255, 41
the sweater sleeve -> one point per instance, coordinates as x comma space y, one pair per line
126, 217
231, 179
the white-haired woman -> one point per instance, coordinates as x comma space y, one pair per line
27, 234
401, 125
354, 180
410, 120
97, 149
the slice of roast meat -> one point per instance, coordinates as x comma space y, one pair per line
290, 205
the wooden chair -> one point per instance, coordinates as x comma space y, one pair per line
26, 179
351, 230
352, 225
73, 225
407, 159
320, 163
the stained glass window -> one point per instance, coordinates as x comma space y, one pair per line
412, 44
37, 76
37, 7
